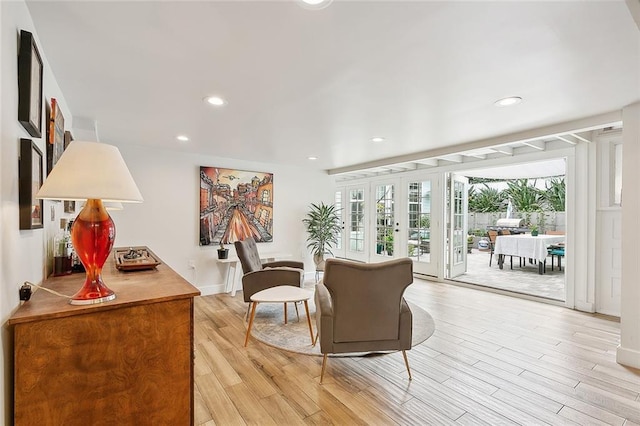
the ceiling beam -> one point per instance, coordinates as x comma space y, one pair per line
428, 162
540, 145
454, 158
480, 156
568, 139
580, 137
506, 150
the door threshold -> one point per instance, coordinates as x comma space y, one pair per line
516, 294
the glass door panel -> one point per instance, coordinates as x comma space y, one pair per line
386, 227
356, 224
339, 250
421, 238
457, 225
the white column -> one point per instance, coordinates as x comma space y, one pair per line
629, 350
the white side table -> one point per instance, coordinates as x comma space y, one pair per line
280, 294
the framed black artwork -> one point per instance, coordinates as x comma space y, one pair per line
30, 72
30, 181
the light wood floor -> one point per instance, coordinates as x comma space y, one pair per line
492, 360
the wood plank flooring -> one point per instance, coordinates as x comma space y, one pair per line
492, 360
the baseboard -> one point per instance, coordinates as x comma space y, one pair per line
628, 357
211, 289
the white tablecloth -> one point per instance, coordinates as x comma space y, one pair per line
524, 245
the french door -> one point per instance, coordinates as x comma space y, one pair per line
457, 196
385, 226
339, 249
422, 233
356, 224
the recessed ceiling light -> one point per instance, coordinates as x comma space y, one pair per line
182, 138
215, 100
315, 4
511, 100
312, 158
377, 139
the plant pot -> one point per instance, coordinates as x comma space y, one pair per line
534, 233
223, 253
318, 259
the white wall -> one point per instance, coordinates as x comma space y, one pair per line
22, 253
168, 220
629, 350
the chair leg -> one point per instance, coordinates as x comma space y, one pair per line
246, 317
406, 362
295, 304
324, 364
490, 257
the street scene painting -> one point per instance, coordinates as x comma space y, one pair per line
235, 205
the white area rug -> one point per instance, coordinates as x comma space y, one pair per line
269, 327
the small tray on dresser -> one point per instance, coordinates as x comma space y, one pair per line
135, 258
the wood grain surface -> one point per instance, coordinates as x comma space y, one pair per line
493, 360
126, 362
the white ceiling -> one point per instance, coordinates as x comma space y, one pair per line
424, 75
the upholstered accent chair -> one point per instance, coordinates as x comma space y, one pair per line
258, 276
360, 308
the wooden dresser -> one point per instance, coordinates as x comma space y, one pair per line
124, 362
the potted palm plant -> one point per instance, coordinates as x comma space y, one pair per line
323, 226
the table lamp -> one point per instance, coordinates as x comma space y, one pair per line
95, 172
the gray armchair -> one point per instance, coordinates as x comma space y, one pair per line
258, 276
360, 307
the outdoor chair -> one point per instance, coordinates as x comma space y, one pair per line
492, 235
556, 250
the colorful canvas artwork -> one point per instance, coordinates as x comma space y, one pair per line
235, 205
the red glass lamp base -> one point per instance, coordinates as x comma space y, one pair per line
88, 295
93, 235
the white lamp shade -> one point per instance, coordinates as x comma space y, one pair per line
90, 170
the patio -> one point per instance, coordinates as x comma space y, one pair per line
524, 280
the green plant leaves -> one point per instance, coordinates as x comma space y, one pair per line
323, 226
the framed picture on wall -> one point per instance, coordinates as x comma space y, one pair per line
30, 72
55, 145
69, 206
30, 181
234, 205
68, 138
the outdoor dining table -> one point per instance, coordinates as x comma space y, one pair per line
526, 246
